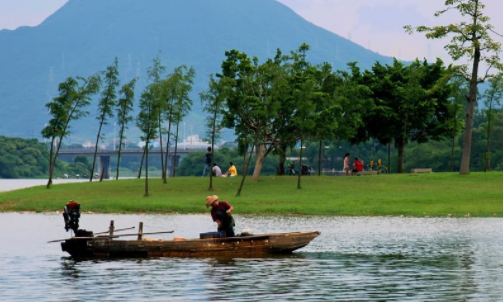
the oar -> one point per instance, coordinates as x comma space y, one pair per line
117, 230
114, 236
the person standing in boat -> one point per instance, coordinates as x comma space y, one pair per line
221, 214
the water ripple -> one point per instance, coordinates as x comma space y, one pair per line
355, 259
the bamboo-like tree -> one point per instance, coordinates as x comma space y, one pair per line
67, 107
175, 91
155, 76
148, 122
328, 107
303, 86
492, 97
471, 39
124, 108
213, 101
168, 95
183, 103
106, 106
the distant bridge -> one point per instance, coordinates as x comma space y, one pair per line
105, 155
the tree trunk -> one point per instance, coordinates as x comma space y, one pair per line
452, 154
472, 99
244, 173
176, 149
260, 151
160, 144
102, 172
401, 148
319, 157
49, 182
119, 153
213, 130
96, 150
300, 165
282, 159
141, 162
146, 169
389, 157
165, 168
488, 153
53, 164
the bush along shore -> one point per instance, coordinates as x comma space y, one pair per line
418, 195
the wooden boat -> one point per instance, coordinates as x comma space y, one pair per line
106, 244
251, 245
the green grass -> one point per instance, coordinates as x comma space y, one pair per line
433, 195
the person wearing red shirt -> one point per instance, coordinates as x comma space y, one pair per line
357, 165
221, 214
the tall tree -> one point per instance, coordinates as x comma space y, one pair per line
471, 39
148, 123
328, 107
124, 108
303, 86
155, 74
492, 98
183, 103
213, 100
255, 106
106, 105
67, 107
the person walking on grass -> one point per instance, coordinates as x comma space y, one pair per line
207, 162
221, 214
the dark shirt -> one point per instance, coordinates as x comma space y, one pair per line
218, 212
208, 158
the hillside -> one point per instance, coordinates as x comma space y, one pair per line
84, 36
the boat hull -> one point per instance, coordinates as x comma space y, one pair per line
256, 245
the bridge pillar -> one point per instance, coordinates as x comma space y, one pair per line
104, 166
172, 162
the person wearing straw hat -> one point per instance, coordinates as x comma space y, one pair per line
221, 214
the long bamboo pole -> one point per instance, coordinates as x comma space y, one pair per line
107, 237
117, 230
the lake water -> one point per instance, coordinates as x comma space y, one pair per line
354, 259
14, 184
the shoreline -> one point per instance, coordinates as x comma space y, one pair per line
24, 183
426, 195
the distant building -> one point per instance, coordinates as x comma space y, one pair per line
193, 142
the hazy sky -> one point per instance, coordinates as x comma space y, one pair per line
374, 24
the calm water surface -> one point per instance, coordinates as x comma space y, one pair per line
355, 259
15, 184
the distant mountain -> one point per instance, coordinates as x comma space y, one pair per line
85, 36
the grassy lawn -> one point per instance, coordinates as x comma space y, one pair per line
434, 195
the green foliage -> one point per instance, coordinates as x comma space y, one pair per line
106, 104
471, 39
124, 108
22, 158
410, 103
